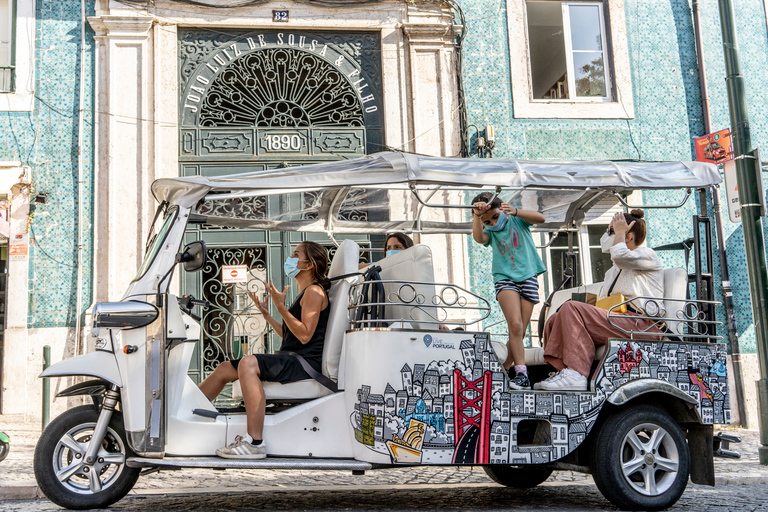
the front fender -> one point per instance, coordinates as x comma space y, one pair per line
98, 364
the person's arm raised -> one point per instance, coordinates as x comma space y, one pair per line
478, 233
311, 306
530, 216
263, 308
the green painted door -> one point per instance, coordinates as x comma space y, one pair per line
256, 101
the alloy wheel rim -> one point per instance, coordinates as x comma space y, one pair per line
649, 459
69, 464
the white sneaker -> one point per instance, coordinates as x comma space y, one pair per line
243, 449
564, 380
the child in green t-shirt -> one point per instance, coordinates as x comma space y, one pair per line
515, 266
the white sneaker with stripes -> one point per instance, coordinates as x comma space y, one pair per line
243, 449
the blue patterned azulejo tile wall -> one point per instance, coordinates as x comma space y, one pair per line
667, 114
46, 140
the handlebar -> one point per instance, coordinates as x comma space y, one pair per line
187, 302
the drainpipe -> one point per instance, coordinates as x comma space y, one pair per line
751, 209
730, 315
79, 347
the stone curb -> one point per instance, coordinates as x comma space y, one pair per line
31, 491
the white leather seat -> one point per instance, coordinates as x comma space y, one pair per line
675, 286
408, 266
345, 261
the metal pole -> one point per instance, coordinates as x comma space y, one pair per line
725, 280
749, 196
46, 387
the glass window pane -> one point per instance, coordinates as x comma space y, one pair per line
585, 28
589, 74
547, 50
5, 33
557, 258
595, 232
601, 262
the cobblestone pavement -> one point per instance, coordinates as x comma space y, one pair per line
17, 477
547, 497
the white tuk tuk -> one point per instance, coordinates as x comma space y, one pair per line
402, 392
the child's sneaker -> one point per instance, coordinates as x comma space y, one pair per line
520, 382
243, 449
564, 380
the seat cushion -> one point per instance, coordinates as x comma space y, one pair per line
302, 389
535, 355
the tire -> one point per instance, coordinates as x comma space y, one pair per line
64, 442
4, 449
518, 477
621, 462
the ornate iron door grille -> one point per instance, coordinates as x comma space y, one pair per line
256, 100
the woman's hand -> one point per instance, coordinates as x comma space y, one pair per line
262, 306
278, 297
620, 226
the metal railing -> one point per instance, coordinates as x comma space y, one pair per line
686, 323
385, 303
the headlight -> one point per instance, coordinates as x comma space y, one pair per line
103, 344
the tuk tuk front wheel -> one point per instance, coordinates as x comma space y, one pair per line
641, 459
518, 477
4, 449
61, 470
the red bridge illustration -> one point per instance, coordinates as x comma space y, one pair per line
472, 418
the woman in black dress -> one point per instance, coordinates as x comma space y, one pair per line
303, 332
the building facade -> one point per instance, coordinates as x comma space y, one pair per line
613, 80
100, 104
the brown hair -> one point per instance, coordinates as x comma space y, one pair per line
318, 257
485, 197
638, 229
404, 240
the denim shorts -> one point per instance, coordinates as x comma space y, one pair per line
528, 289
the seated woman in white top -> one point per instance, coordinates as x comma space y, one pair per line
571, 334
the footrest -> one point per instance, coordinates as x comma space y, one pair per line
268, 463
722, 444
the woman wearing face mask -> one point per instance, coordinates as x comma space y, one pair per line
571, 334
303, 332
394, 243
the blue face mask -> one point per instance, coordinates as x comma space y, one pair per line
291, 267
393, 251
499, 223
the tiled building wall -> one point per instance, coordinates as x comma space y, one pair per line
46, 140
668, 114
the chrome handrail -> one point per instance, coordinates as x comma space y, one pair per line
690, 318
450, 297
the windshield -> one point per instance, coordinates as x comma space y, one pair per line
157, 241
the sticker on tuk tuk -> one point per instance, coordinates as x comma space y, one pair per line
715, 148
234, 274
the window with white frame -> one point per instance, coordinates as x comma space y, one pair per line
17, 55
7, 44
590, 264
567, 51
569, 59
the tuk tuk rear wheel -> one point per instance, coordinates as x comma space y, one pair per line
60, 468
518, 477
4, 449
641, 459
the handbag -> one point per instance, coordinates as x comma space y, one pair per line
613, 299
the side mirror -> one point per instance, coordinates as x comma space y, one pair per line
194, 256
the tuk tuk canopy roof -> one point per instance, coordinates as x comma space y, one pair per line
355, 196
